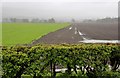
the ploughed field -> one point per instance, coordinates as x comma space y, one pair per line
25, 33
78, 32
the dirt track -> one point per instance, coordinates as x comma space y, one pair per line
80, 31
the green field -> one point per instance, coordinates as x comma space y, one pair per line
23, 33
0, 34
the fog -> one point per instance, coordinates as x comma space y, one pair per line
60, 9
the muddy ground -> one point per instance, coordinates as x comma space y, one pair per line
77, 32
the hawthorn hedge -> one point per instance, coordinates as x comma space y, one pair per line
87, 60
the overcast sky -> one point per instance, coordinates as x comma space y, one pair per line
60, 9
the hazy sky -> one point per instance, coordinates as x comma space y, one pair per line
60, 9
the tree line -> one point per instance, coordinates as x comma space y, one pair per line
103, 20
52, 20
34, 20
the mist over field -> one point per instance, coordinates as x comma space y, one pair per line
54, 11
60, 10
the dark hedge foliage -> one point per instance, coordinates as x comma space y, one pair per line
83, 60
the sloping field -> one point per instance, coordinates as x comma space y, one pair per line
23, 33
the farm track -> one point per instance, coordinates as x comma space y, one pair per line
77, 32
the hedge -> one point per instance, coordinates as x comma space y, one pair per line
81, 60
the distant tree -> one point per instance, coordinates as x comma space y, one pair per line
88, 21
73, 20
5, 20
13, 19
25, 20
45, 21
107, 19
52, 20
36, 20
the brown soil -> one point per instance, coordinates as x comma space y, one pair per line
100, 31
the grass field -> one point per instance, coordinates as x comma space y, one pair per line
0, 33
23, 33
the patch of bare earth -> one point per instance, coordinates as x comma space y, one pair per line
71, 34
